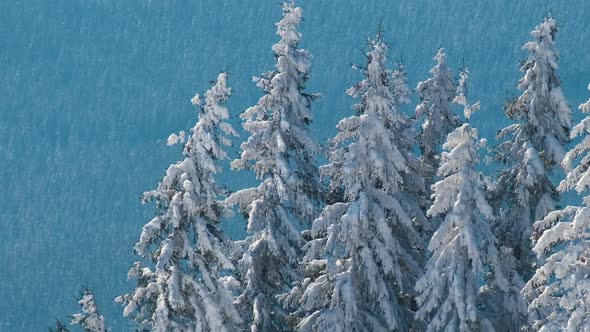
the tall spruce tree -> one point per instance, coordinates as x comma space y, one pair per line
524, 192
281, 152
464, 247
559, 290
362, 259
436, 95
182, 291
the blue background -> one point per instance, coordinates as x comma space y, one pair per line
90, 90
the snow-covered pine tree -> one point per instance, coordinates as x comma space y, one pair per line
183, 292
436, 95
524, 192
281, 152
89, 319
559, 291
461, 95
401, 92
464, 247
362, 260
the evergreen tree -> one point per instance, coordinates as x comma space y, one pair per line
524, 192
436, 95
183, 292
399, 82
461, 95
464, 247
281, 152
89, 319
559, 289
362, 260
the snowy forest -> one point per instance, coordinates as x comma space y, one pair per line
407, 216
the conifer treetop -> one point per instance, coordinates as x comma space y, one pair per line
401, 92
542, 109
360, 261
535, 145
463, 247
436, 94
281, 152
89, 319
182, 291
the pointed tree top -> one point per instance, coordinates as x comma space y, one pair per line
90, 319
376, 81
219, 92
461, 97
380, 29
288, 25
440, 57
222, 79
441, 68
546, 31
376, 56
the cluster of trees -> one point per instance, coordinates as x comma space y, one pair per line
399, 231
